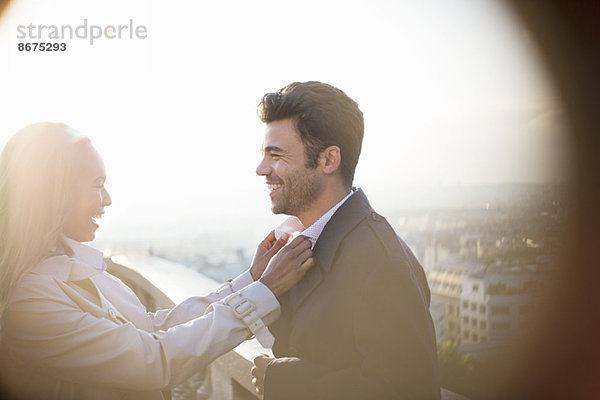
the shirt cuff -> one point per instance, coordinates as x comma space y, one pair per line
242, 281
232, 286
256, 306
267, 306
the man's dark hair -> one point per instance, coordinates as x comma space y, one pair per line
324, 116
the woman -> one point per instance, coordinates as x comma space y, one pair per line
72, 331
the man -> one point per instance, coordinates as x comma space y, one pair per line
357, 326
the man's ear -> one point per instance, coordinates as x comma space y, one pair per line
330, 159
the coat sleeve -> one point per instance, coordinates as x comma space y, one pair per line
46, 331
394, 336
195, 307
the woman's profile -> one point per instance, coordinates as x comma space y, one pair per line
70, 330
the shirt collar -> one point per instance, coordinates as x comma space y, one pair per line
294, 227
314, 231
87, 255
84, 263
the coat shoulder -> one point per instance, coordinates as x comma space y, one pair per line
399, 256
383, 232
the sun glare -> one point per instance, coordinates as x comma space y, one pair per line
452, 94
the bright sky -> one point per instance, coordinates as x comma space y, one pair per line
452, 93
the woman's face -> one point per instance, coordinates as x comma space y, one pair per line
90, 197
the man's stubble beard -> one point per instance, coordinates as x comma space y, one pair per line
299, 193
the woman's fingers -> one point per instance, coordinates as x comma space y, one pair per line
303, 255
308, 264
279, 243
270, 239
299, 241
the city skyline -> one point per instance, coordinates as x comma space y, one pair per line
451, 95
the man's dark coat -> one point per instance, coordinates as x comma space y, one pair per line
357, 326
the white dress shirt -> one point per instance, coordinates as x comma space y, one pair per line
72, 331
314, 231
294, 227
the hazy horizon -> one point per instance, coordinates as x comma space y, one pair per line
231, 230
451, 94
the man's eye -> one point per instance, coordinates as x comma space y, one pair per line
275, 155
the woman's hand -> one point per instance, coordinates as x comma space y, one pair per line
288, 266
265, 251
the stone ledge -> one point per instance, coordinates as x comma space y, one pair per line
234, 366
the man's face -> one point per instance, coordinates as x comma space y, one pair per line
293, 187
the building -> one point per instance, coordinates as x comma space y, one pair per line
445, 282
496, 306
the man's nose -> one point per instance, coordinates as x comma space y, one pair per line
263, 169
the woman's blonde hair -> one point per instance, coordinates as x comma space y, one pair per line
38, 168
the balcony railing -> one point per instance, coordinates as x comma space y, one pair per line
229, 376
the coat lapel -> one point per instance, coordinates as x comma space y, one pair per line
343, 221
300, 292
